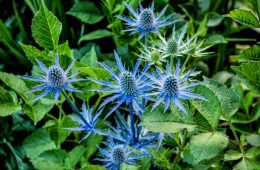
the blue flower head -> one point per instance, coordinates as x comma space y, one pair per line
54, 80
125, 86
117, 154
86, 121
145, 21
171, 87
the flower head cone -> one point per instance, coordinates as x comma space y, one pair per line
116, 154
171, 88
86, 121
54, 80
126, 86
145, 21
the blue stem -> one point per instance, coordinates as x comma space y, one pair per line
150, 141
132, 122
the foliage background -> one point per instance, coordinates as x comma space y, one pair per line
33, 135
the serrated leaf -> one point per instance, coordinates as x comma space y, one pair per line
46, 28
229, 100
52, 159
74, 156
168, 122
98, 34
244, 17
210, 109
232, 155
249, 74
207, 145
37, 143
33, 53
97, 73
64, 49
86, 11
90, 58
36, 112
249, 55
7, 104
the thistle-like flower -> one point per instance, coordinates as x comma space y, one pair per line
55, 79
87, 123
117, 154
145, 21
171, 87
180, 44
128, 86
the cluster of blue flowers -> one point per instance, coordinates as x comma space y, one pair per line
128, 141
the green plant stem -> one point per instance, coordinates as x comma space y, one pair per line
185, 63
236, 138
146, 40
97, 102
177, 158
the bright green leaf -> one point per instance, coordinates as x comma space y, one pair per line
249, 55
205, 146
37, 143
249, 74
74, 156
86, 12
253, 139
90, 58
214, 19
232, 155
168, 122
92, 167
46, 28
244, 17
98, 34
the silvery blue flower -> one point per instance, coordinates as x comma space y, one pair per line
86, 121
117, 154
125, 86
145, 21
122, 132
55, 79
171, 87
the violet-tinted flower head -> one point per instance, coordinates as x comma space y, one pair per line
171, 88
145, 21
87, 121
126, 86
116, 154
55, 79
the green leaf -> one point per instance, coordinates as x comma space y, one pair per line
243, 118
16, 83
98, 34
74, 156
215, 39
86, 11
90, 58
64, 49
253, 139
253, 152
33, 53
249, 74
247, 164
37, 143
36, 112
46, 28
210, 109
228, 98
244, 17
207, 145
249, 55
168, 122
97, 73
214, 19
7, 104
92, 167
232, 155
91, 144
53, 159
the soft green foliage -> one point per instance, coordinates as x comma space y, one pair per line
86, 11
46, 29
221, 132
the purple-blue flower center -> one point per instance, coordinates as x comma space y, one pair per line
118, 155
127, 83
56, 76
147, 20
170, 86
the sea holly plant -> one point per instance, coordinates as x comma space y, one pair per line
185, 97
